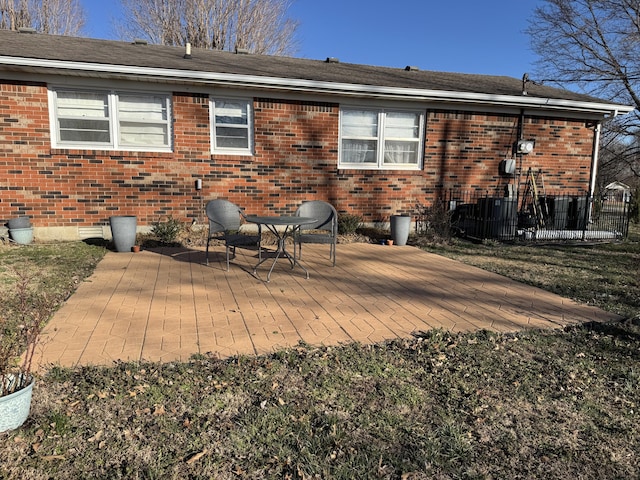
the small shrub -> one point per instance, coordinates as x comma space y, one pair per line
348, 223
21, 321
434, 221
167, 232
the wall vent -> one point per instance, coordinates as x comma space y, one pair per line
90, 232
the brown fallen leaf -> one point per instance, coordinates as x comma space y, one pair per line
96, 437
197, 456
49, 458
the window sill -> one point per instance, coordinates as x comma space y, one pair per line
111, 153
380, 169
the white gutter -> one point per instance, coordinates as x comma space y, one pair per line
313, 86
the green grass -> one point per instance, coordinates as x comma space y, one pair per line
606, 275
538, 404
56, 268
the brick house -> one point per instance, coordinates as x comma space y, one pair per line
93, 128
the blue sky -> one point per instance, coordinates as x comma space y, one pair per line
468, 36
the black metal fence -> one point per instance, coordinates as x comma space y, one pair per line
541, 218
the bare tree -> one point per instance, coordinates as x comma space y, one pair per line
56, 17
259, 26
619, 157
595, 45
14, 14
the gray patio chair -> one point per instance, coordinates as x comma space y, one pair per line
225, 221
324, 230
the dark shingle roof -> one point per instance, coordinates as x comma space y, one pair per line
106, 52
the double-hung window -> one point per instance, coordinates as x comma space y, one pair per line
111, 120
231, 126
381, 139
143, 120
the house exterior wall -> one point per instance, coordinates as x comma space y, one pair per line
296, 159
463, 151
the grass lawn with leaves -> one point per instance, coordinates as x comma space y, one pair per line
535, 404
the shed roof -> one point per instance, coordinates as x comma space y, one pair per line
39, 53
618, 186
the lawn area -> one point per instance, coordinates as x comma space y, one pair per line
606, 275
538, 404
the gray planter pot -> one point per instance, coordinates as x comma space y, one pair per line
123, 232
14, 408
19, 222
23, 236
400, 226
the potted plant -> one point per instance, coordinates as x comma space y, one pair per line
21, 322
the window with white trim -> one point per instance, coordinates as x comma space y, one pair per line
231, 126
381, 139
111, 120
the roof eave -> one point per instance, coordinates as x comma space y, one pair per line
312, 86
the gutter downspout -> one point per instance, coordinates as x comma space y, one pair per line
594, 171
594, 159
519, 156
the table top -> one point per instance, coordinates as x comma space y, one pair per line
280, 220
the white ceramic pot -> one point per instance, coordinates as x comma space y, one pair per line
23, 236
14, 408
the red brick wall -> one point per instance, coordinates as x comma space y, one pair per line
296, 146
463, 151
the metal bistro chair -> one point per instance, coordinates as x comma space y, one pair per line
225, 220
324, 230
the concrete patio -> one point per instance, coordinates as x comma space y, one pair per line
166, 304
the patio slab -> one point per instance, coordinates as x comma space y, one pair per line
166, 304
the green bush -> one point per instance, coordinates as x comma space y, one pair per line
348, 223
167, 232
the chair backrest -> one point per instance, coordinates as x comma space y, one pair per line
223, 216
323, 211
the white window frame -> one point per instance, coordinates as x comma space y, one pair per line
114, 118
380, 139
219, 149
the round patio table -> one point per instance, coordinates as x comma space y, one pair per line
290, 224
